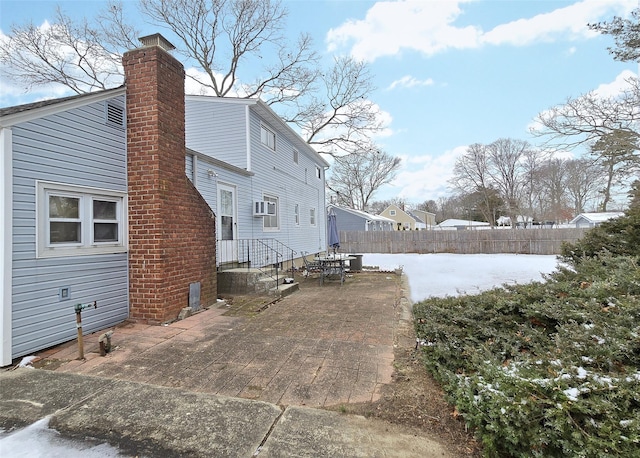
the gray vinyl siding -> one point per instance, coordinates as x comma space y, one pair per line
278, 175
274, 172
217, 130
347, 221
73, 148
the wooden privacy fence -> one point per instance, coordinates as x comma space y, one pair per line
521, 241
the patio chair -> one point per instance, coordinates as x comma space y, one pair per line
310, 266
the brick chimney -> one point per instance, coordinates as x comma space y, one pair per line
171, 227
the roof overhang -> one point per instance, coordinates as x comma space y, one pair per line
31, 111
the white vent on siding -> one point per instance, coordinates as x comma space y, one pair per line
115, 115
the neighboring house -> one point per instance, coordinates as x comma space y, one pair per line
242, 155
404, 220
96, 204
461, 225
349, 219
428, 218
593, 219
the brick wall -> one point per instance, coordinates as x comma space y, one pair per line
171, 228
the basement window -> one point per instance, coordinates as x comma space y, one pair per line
76, 220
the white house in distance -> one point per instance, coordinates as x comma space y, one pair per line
461, 225
594, 219
104, 198
349, 219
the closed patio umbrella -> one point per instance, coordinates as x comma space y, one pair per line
334, 237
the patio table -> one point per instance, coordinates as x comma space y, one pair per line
333, 264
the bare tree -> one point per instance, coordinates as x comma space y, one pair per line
582, 181
585, 119
356, 177
626, 33
533, 193
223, 36
452, 207
224, 39
341, 119
77, 55
500, 166
430, 206
472, 173
552, 178
506, 156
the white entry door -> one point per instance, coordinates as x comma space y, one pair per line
227, 226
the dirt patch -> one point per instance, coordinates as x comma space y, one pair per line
414, 399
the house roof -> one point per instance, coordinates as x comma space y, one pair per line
222, 164
414, 216
461, 222
598, 217
263, 110
363, 214
11, 116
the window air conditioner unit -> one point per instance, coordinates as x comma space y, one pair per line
264, 208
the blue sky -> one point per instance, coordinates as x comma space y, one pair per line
448, 73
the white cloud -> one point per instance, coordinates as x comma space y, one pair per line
617, 86
390, 27
570, 21
425, 177
191, 85
410, 81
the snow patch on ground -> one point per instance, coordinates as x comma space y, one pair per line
444, 274
37, 440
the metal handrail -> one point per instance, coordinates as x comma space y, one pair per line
253, 253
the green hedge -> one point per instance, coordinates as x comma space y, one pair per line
545, 369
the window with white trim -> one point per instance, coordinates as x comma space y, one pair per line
296, 214
295, 156
75, 220
318, 173
312, 216
392, 212
267, 137
271, 222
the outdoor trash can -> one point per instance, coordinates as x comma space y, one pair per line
355, 264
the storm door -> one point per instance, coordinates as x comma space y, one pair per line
227, 226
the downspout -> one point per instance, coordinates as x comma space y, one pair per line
248, 136
6, 236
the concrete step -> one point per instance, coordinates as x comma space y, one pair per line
285, 289
250, 281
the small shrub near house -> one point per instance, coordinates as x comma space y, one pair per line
550, 368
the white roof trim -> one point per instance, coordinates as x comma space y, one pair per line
58, 107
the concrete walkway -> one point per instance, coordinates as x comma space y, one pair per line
232, 381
